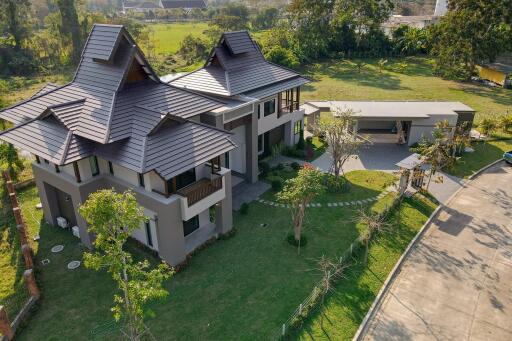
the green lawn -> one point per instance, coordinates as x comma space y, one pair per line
240, 288
353, 295
167, 37
340, 80
484, 154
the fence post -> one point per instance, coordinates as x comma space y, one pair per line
341, 259
5, 326
284, 329
31, 283
300, 308
351, 247
25, 249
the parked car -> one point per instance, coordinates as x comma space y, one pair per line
508, 157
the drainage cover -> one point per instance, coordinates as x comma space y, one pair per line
264, 225
45, 261
57, 248
73, 264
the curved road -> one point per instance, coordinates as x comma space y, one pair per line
456, 283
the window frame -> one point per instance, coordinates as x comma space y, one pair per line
261, 143
95, 167
265, 113
141, 180
298, 124
149, 235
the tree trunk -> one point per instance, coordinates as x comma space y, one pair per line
70, 25
298, 225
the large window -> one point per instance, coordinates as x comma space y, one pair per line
298, 127
148, 234
182, 180
260, 144
269, 107
93, 161
190, 225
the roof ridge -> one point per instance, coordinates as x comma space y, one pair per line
110, 117
66, 147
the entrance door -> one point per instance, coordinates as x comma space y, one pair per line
237, 156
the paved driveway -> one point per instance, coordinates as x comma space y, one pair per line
456, 284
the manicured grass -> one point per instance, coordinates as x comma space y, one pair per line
353, 295
240, 288
340, 80
484, 154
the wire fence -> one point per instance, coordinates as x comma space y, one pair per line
312, 302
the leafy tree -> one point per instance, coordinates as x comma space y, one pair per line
193, 49
341, 139
280, 55
11, 161
409, 40
112, 217
266, 18
470, 33
71, 26
15, 14
233, 17
298, 192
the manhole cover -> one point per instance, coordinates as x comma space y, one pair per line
264, 225
73, 265
57, 248
45, 261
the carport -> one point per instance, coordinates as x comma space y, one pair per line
399, 122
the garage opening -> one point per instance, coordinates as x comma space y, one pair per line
385, 131
62, 204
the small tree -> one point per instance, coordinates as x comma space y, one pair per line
112, 217
382, 64
330, 272
374, 223
487, 125
506, 123
360, 65
341, 140
298, 192
11, 161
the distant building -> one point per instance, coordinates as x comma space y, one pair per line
417, 21
499, 72
184, 4
141, 6
441, 8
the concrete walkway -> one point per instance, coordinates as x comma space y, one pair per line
456, 282
245, 192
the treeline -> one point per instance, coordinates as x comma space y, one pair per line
42, 37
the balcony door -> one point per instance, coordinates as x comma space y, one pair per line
182, 180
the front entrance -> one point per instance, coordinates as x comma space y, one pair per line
237, 157
272, 138
64, 205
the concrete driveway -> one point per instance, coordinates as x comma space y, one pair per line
456, 284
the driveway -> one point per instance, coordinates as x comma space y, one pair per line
455, 284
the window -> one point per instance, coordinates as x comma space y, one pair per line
190, 225
258, 110
226, 160
93, 161
46, 161
298, 127
141, 180
111, 168
148, 234
260, 144
269, 107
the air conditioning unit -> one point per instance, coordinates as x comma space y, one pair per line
62, 222
76, 231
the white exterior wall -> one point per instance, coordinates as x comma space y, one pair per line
424, 127
267, 123
126, 174
237, 157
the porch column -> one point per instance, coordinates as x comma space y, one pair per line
223, 210
251, 148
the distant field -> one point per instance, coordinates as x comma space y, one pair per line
167, 37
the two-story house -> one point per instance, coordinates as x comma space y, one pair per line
116, 125
262, 100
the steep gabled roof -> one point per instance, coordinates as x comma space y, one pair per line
235, 66
167, 4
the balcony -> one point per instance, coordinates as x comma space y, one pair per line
287, 108
199, 190
202, 194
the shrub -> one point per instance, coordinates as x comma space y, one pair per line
294, 152
291, 239
282, 56
295, 166
244, 208
280, 166
276, 182
309, 140
506, 123
335, 186
487, 125
264, 168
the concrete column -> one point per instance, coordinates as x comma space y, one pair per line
224, 209
48, 199
169, 230
5, 325
288, 133
85, 237
251, 149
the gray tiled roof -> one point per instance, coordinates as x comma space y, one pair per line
276, 88
235, 66
98, 113
45, 89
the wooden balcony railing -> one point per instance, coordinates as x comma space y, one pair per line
286, 109
200, 189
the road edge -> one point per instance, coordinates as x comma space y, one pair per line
364, 326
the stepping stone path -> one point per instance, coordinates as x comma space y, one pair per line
333, 204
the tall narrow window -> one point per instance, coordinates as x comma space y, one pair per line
111, 168
258, 110
149, 238
298, 127
260, 144
226, 160
141, 180
93, 161
269, 107
190, 225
